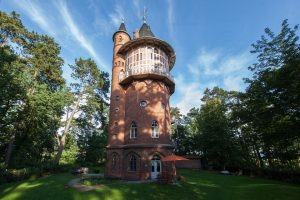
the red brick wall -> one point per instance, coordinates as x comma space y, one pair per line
155, 93
143, 155
125, 108
116, 118
188, 164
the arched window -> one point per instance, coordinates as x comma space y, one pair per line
132, 163
133, 130
155, 129
155, 164
114, 161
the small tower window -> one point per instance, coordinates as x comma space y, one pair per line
114, 161
132, 163
133, 130
143, 103
163, 106
155, 129
116, 125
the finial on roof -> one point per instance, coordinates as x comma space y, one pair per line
122, 26
122, 20
145, 15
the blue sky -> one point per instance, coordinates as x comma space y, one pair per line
212, 38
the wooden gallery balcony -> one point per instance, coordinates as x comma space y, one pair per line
147, 72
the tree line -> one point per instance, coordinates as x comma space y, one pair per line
42, 118
255, 129
45, 120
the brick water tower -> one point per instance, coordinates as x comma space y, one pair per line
139, 119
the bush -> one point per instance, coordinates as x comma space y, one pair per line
288, 175
12, 175
281, 174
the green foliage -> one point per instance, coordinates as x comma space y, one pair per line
70, 153
271, 104
183, 132
34, 98
34, 93
257, 130
216, 140
90, 92
274, 51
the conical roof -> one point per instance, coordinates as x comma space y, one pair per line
145, 31
122, 27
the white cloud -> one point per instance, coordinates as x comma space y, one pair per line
233, 83
170, 17
137, 7
77, 34
190, 95
218, 63
101, 24
117, 16
204, 63
36, 14
209, 69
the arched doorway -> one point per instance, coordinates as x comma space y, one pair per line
155, 166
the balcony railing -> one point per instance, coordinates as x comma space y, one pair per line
146, 69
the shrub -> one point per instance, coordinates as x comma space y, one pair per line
281, 174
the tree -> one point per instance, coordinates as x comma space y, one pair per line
89, 94
272, 97
91, 130
217, 142
31, 78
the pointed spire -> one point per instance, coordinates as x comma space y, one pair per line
122, 26
145, 31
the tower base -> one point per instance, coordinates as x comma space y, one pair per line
136, 162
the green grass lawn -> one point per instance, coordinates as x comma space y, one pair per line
99, 181
198, 185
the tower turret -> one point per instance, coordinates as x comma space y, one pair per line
140, 126
117, 114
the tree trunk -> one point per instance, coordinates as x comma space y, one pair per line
62, 140
61, 147
9, 149
258, 156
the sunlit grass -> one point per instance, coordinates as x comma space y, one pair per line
197, 185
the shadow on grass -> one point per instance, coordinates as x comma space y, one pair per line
198, 185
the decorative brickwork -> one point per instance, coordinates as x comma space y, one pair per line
139, 120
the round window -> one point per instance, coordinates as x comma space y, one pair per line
143, 103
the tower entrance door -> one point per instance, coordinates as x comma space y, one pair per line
155, 167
